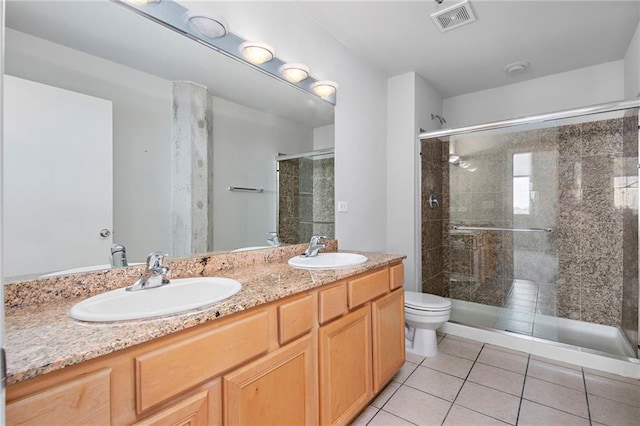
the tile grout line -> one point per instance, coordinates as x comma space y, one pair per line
524, 383
586, 394
463, 383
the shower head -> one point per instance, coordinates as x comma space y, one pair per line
439, 118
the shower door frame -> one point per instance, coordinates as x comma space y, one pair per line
531, 120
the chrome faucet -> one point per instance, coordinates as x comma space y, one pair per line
314, 246
154, 276
118, 256
273, 239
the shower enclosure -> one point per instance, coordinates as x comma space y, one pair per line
530, 226
306, 196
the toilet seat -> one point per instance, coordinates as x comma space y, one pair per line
426, 302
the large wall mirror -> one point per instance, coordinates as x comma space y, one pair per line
90, 131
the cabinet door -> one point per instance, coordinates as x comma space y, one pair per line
278, 389
345, 366
387, 315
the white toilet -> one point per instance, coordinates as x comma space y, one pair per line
423, 314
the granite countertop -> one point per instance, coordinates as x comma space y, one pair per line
41, 337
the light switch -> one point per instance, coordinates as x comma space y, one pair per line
342, 206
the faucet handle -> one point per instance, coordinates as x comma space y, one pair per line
316, 239
154, 259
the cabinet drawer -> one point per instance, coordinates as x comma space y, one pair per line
84, 400
332, 303
190, 411
397, 276
167, 371
295, 318
368, 287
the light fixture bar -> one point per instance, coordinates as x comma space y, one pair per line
171, 15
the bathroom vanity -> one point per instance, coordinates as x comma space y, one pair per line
292, 347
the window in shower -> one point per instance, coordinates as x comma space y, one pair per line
522, 183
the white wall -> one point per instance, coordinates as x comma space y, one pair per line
586, 86
360, 115
632, 67
409, 106
141, 132
324, 137
246, 143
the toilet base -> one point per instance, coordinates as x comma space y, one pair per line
425, 343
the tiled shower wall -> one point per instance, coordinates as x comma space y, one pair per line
584, 186
305, 199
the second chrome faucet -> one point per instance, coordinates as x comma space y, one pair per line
315, 245
154, 276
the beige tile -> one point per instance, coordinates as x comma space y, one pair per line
554, 362
629, 380
365, 416
405, 371
535, 414
434, 382
385, 394
556, 374
497, 378
460, 416
613, 413
507, 350
488, 401
417, 407
556, 396
465, 340
386, 419
504, 360
613, 389
459, 348
416, 359
449, 364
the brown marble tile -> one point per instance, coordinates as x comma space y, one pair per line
597, 172
601, 240
602, 137
569, 173
570, 141
630, 134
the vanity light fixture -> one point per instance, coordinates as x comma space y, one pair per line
324, 88
294, 72
257, 53
207, 24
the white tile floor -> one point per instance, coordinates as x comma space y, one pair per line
471, 383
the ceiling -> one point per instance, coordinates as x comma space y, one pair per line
397, 37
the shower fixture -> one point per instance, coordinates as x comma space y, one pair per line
439, 118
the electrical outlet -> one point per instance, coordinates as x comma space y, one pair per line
342, 206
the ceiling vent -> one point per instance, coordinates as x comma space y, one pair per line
454, 16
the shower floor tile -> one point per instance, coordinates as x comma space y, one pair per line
453, 390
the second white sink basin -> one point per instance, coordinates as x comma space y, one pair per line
328, 261
180, 295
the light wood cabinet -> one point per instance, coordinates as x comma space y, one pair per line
387, 314
345, 366
278, 389
192, 411
84, 400
315, 357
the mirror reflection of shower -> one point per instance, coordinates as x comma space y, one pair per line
306, 196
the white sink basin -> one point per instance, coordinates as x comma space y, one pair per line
241, 249
91, 268
180, 295
328, 261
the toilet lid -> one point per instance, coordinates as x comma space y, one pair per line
425, 301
